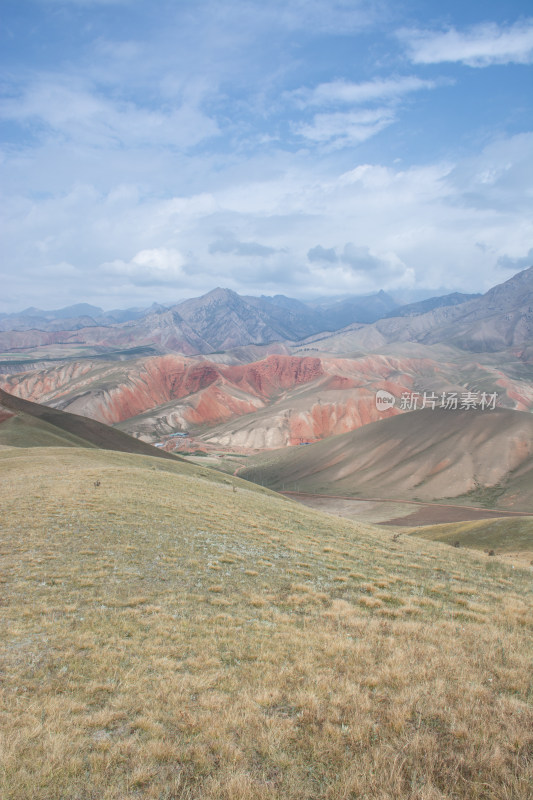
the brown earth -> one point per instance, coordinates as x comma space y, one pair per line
377, 510
441, 514
478, 458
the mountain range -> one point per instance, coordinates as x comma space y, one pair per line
219, 320
253, 396
499, 319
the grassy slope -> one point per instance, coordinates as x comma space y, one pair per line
168, 637
424, 455
22, 430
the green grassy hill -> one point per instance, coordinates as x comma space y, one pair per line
174, 632
510, 536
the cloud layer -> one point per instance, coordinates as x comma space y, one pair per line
153, 152
479, 46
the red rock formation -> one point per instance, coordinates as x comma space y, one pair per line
115, 393
215, 406
274, 374
330, 419
309, 398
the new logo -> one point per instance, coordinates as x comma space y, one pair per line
384, 400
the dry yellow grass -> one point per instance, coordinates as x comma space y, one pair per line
166, 637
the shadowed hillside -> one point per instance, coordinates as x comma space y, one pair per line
27, 424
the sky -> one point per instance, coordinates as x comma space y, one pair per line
152, 150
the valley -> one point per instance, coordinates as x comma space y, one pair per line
233, 574
302, 415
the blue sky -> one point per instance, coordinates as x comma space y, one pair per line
151, 151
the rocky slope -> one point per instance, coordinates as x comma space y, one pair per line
115, 392
499, 319
423, 306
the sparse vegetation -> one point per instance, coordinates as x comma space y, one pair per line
510, 538
165, 637
485, 496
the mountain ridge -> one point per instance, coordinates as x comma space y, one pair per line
499, 319
219, 319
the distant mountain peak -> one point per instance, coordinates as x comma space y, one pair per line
219, 293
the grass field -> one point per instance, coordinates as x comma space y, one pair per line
177, 633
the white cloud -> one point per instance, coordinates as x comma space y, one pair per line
156, 150
363, 262
229, 244
291, 230
66, 107
499, 177
341, 129
326, 16
516, 264
349, 93
158, 266
479, 46
362, 259
321, 255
